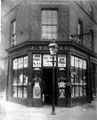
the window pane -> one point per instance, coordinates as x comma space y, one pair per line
54, 21
19, 91
20, 77
54, 36
49, 36
44, 35
84, 64
25, 92
25, 61
49, 29
76, 76
54, 13
14, 27
14, 64
54, 29
76, 91
49, 13
44, 21
76, 62
81, 90
15, 77
44, 13
80, 63
25, 77
72, 91
72, 75
49, 21
15, 91
72, 61
20, 63
44, 28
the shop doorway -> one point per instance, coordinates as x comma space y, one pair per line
48, 83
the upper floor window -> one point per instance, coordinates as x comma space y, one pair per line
80, 31
91, 39
13, 33
91, 11
49, 24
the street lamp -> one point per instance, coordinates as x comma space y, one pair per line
53, 48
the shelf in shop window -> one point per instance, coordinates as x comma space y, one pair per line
14, 84
25, 84
84, 83
81, 83
77, 83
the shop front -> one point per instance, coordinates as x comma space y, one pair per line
31, 75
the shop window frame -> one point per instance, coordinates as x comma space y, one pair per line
81, 84
24, 83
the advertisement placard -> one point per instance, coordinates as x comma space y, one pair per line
61, 60
47, 60
36, 60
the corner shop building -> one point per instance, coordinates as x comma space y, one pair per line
30, 70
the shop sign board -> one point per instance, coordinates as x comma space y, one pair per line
47, 60
61, 60
36, 60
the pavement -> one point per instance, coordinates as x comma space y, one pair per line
14, 111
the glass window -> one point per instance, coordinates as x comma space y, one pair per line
91, 11
91, 39
80, 31
20, 77
49, 20
13, 33
78, 76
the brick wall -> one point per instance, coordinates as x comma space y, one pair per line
77, 13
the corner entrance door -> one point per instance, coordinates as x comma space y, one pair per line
48, 89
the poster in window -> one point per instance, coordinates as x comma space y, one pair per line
25, 61
20, 63
76, 62
72, 61
36, 60
61, 60
36, 90
84, 64
14, 64
47, 60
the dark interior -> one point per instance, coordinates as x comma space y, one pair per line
48, 81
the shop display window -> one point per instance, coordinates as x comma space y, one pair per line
78, 76
20, 77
